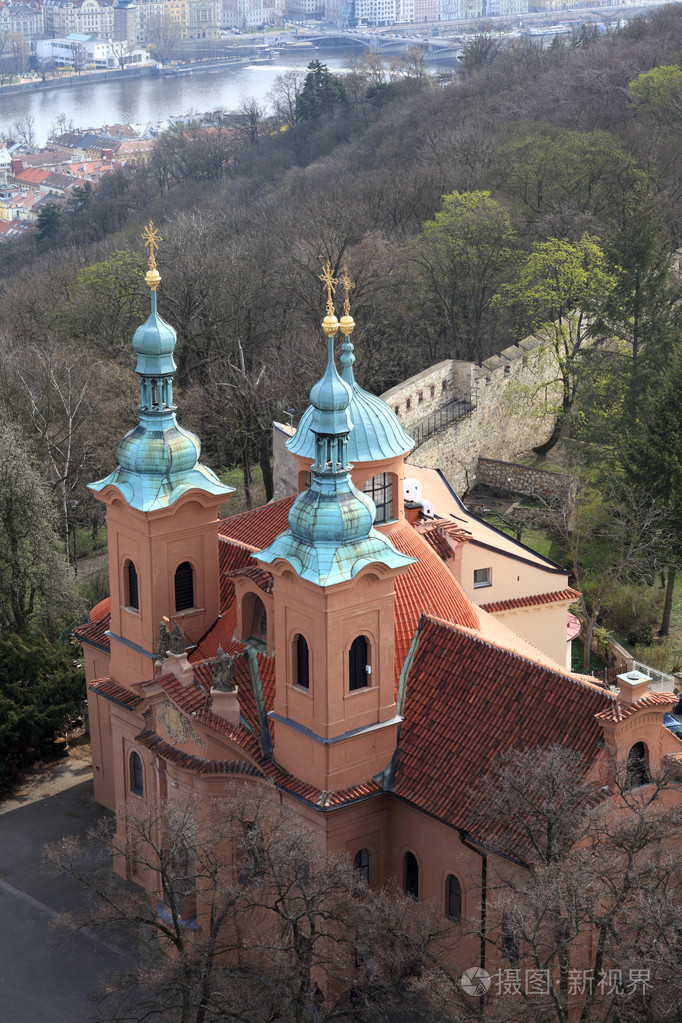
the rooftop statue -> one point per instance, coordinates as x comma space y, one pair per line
223, 672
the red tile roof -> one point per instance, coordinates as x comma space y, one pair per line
258, 575
533, 601
116, 693
620, 711
260, 526
467, 701
443, 535
96, 628
192, 762
426, 587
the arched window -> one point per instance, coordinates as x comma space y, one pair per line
132, 594
361, 864
302, 665
380, 489
453, 898
411, 875
184, 587
257, 628
136, 777
637, 768
358, 662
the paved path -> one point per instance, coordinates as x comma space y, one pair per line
45, 978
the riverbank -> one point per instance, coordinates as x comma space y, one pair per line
74, 79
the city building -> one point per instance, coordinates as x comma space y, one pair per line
86, 17
87, 51
334, 645
22, 20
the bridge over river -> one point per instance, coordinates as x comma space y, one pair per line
385, 43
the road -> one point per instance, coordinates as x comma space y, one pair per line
45, 978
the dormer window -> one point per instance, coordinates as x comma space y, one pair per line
482, 577
380, 489
184, 587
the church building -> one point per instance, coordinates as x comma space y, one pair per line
323, 645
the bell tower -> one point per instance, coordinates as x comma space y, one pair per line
334, 573
162, 512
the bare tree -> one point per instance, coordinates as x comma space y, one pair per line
285, 92
62, 125
611, 533
253, 912
583, 905
79, 57
250, 114
164, 35
24, 129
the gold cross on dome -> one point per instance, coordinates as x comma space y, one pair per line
329, 285
348, 286
152, 239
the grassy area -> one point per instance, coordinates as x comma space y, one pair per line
542, 541
237, 502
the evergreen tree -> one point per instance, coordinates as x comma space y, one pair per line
652, 458
322, 92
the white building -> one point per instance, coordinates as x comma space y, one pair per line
376, 12
86, 50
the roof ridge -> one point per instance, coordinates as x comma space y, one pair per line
559, 671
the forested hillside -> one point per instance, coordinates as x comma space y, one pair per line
542, 180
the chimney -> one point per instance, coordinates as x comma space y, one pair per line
633, 686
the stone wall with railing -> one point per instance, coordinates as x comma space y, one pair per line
513, 394
506, 407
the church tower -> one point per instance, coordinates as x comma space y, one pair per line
162, 506
377, 445
334, 573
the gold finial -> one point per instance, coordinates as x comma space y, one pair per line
347, 322
330, 324
152, 239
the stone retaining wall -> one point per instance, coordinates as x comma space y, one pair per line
511, 391
523, 479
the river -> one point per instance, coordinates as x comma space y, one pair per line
152, 97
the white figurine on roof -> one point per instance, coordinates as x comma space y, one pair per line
412, 491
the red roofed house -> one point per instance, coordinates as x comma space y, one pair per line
367, 686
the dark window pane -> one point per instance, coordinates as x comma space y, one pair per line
302, 676
361, 864
637, 771
453, 906
184, 587
380, 489
357, 661
133, 597
411, 875
136, 782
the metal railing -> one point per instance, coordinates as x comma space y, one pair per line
441, 419
653, 673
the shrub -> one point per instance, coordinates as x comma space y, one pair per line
633, 610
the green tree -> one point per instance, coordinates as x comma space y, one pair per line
42, 689
464, 254
658, 94
49, 222
640, 315
321, 95
38, 589
560, 285
571, 180
652, 460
